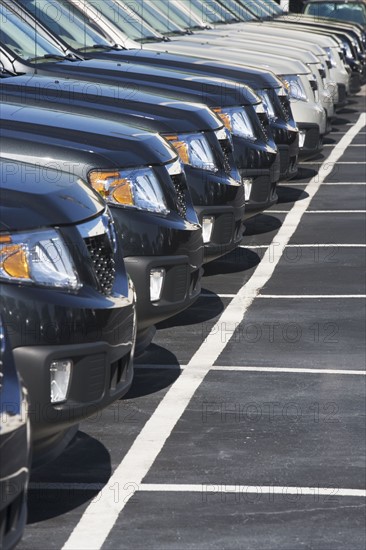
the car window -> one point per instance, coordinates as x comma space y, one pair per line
353, 12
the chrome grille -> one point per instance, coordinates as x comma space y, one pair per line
263, 119
102, 257
226, 149
180, 188
286, 109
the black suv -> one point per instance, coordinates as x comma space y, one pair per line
66, 301
141, 178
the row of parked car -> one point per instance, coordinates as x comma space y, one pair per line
136, 139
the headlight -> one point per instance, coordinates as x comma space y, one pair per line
135, 188
37, 257
195, 150
267, 104
294, 87
236, 121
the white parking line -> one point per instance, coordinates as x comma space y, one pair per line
315, 245
102, 513
255, 489
351, 145
254, 246
321, 211
259, 369
289, 296
291, 184
213, 295
204, 489
322, 245
311, 296
320, 162
290, 370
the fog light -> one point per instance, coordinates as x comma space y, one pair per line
207, 228
157, 277
248, 183
60, 375
302, 136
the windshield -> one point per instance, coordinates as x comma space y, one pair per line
66, 22
272, 7
209, 12
151, 14
344, 11
174, 12
239, 9
257, 8
23, 40
125, 19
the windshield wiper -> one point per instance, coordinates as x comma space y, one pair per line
97, 47
146, 39
48, 56
178, 33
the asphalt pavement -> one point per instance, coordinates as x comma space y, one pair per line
245, 425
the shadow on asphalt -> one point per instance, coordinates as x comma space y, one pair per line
329, 141
201, 311
336, 121
156, 355
262, 223
305, 173
148, 381
238, 260
290, 194
347, 111
85, 460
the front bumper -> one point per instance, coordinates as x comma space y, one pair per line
101, 374
313, 143
261, 162
227, 233
162, 242
181, 287
214, 197
95, 332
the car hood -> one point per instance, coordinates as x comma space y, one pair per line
34, 197
177, 85
219, 50
129, 106
119, 144
166, 55
279, 29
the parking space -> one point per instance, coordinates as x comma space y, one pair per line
233, 520
244, 426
